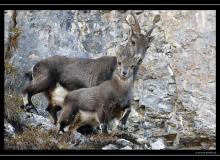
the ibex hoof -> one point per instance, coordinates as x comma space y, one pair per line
122, 127
60, 132
60, 129
66, 129
30, 108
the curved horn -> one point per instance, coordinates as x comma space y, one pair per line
150, 30
155, 20
136, 27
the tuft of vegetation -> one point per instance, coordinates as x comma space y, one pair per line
14, 34
10, 69
97, 141
12, 110
12, 101
36, 139
31, 139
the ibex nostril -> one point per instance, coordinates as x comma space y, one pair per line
124, 73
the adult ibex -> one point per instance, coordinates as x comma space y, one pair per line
105, 102
58, 75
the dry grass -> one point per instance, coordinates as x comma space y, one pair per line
35, 139
12, 105
97, 141
31, 139
12, 42
10, 69
12, 101
14, 34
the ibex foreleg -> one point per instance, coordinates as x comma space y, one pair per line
124, 118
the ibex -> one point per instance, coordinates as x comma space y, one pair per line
58, 75
101, 104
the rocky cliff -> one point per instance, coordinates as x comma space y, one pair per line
174, 104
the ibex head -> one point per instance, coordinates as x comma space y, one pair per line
126, 63
138, 43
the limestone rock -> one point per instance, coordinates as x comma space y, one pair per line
36, 121
110, 147
159, 144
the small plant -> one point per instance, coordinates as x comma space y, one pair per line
12, 42
14, 34
31, 139
10, 68
12, 110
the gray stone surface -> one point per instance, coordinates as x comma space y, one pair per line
110, 147
126, 148
36, 121
122, 142
78, 138
159, 144
9, 129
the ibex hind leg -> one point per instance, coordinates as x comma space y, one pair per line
68, 115
36, 86
68, 127
28, 105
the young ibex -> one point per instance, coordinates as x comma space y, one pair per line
58, 75
101, 104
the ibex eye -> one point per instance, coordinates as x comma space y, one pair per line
119, 63
133, 42
132, 66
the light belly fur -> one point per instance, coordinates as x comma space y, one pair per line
89, 118
58, 95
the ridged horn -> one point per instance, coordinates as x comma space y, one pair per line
136, 27
155, 20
